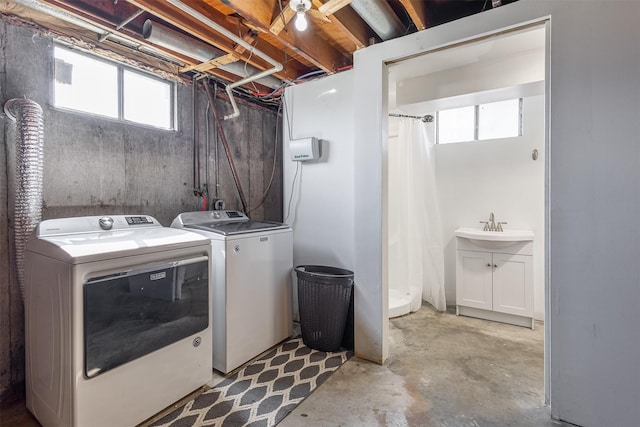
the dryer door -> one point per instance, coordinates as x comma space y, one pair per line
134, 313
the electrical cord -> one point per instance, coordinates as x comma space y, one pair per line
293, 185
246, 63
276, 98
273, 168
298, 173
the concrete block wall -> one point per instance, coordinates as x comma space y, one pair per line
95, 166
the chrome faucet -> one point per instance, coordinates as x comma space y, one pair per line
488, 224
491, 224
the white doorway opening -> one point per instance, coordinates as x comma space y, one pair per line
507, 176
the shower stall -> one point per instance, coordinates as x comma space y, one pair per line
416, 259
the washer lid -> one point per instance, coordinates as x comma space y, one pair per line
228, 228
205, 217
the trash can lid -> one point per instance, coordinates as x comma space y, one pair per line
324, 271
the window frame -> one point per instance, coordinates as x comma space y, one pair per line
120, 67
476, 124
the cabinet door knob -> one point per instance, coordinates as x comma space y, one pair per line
488, 265
495, 265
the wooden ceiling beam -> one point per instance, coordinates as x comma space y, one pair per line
332, 6
281, 20
249, 38
417, 11
190, 63
75, 10
348, 22
262, 13
209, 65
181, 20
190, 25
143, 45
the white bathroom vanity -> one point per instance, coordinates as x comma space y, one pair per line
494, 275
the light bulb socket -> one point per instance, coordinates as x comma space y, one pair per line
300, 4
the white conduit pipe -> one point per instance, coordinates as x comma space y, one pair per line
163, 36
228, 34
29, 174
67, 17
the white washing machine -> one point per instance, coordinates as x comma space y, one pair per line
252, 264
117, 319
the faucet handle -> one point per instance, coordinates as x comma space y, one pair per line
499, 227
486, 225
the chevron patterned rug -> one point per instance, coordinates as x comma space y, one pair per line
262, 393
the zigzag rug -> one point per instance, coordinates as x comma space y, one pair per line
262, 393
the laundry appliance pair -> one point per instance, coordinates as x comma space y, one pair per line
122, 314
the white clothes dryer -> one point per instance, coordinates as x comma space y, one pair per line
117, 319
252, 263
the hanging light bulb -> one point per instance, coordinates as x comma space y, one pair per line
301, 20
300, 7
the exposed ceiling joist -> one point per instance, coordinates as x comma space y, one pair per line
316, 50
417, 10
347, 21
240, 38
281, 20
181, 20
209, 65
332, 6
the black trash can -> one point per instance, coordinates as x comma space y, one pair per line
324, 294
349, 332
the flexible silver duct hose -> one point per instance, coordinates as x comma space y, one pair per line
29, 171
380, 17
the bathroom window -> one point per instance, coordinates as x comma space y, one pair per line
456, 125
91, 85
479, 122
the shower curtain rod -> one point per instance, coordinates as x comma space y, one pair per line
427, 118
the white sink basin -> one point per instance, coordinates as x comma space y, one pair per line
494, 239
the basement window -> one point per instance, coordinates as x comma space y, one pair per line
480, 122
96, 86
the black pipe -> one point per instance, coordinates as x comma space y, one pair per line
225, 144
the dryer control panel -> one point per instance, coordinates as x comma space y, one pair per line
135, 220
88, 224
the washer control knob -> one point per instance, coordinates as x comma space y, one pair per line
106, 223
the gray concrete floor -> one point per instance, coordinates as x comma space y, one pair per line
443, 370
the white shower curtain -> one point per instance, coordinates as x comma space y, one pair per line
416, 255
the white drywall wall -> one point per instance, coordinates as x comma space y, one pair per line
320, 208
497, 73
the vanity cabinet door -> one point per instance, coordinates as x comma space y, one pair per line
513, 284
473, 279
